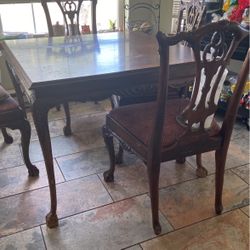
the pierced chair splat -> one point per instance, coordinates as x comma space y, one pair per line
166, 130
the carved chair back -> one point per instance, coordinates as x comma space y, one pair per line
190, 15
211, 64
142, 16
71, 14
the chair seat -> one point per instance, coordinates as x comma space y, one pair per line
136, 122
10, 111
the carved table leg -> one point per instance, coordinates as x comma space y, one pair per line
40, 116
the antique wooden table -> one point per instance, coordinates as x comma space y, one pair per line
91, 67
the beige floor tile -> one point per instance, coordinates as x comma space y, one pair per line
240, 131
76, 109
30, 239
63, 145
55, 129
246, 210
242, 172
115, 226
173, 173
193, 201
136, 247
10, 156
85, 163
133, 180
15, 134
27, 210
78, 124
236, 157
227, 232
16, 180
93, 220
89, 122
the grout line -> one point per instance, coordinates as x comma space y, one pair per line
243, 211
106, 188
60, 170
44, 242
232, 171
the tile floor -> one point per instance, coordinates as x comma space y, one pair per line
97, 215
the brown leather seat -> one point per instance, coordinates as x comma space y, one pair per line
136, 121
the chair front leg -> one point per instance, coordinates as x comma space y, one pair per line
67, 129
7, 138
25, 142
108, 139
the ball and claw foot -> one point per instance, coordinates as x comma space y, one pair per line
33, 171
201, 172
157, 228
108, 177
67, 131
8, 139
51, 220
181, 160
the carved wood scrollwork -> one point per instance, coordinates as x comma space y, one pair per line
142, 16
70, 11
211, 72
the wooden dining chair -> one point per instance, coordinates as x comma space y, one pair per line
190, 17
142, 16
165, 130
71, 27
13, 116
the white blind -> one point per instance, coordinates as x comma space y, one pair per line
176, 6
18, 1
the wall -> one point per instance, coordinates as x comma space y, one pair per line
166, 15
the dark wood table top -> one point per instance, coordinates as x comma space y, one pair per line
43, 62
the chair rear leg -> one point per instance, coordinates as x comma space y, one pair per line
108, 139
25, 142
153, 177
200, 171
220, 161
7, 138
67, 129
181, 160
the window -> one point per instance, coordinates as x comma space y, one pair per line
29, 17
175, 13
